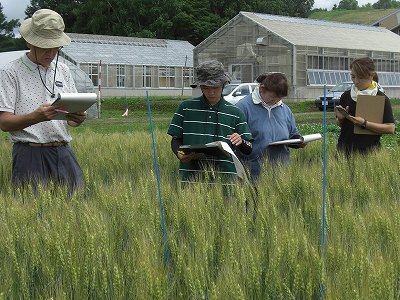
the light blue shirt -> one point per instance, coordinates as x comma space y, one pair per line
267, 126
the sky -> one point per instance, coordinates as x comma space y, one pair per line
329, 3
15, 9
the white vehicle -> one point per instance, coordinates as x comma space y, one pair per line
233, 92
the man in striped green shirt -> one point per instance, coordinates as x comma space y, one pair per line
206, 119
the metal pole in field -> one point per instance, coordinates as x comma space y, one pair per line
159, 194
99, 98
183, 77
323, 198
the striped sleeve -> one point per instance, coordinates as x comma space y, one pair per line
242, 127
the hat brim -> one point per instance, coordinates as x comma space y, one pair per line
42, 42
211, 83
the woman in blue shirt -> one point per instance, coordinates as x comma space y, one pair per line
269, 120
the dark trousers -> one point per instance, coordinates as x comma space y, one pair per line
41, 165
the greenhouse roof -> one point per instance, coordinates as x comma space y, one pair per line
309, 32
390, 21
86, 48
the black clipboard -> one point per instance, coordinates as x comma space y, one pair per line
211, 149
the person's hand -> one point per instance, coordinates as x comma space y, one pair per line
235, 139
185, 157
76, 119
356, 120
302, 145
339, 114
45, 112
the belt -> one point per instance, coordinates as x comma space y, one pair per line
51, 144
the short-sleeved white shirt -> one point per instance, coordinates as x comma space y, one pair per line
22, 92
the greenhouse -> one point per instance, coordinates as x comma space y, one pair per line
129, 66
312, 53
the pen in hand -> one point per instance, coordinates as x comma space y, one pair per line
59, 110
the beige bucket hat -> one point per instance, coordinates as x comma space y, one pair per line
44, 30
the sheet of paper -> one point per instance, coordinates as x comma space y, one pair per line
311, 137
241, 173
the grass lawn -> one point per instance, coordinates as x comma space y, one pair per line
364, 16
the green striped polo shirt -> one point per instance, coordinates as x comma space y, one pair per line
198, 122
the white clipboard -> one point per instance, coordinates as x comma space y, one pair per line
73, 103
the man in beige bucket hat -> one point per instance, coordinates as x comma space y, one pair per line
28, 86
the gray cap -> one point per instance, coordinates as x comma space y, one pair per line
210, 73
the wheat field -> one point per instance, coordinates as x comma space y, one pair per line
106, 242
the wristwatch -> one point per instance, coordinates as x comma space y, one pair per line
364, 125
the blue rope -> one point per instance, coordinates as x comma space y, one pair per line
323, 193
167, 260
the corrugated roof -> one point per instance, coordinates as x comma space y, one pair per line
395, 13
86, 48
309, 32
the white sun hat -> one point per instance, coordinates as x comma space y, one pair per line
44, 30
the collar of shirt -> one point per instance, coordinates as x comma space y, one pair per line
31, 65
205, 103
256, 96
371, 90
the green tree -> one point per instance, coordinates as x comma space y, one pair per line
95, 17
299, 8
7, 27
7, 41
191, 20
385, 4
196, 20
66, 8
348, 4
277, 7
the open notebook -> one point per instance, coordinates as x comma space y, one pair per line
214, 149
217, 149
